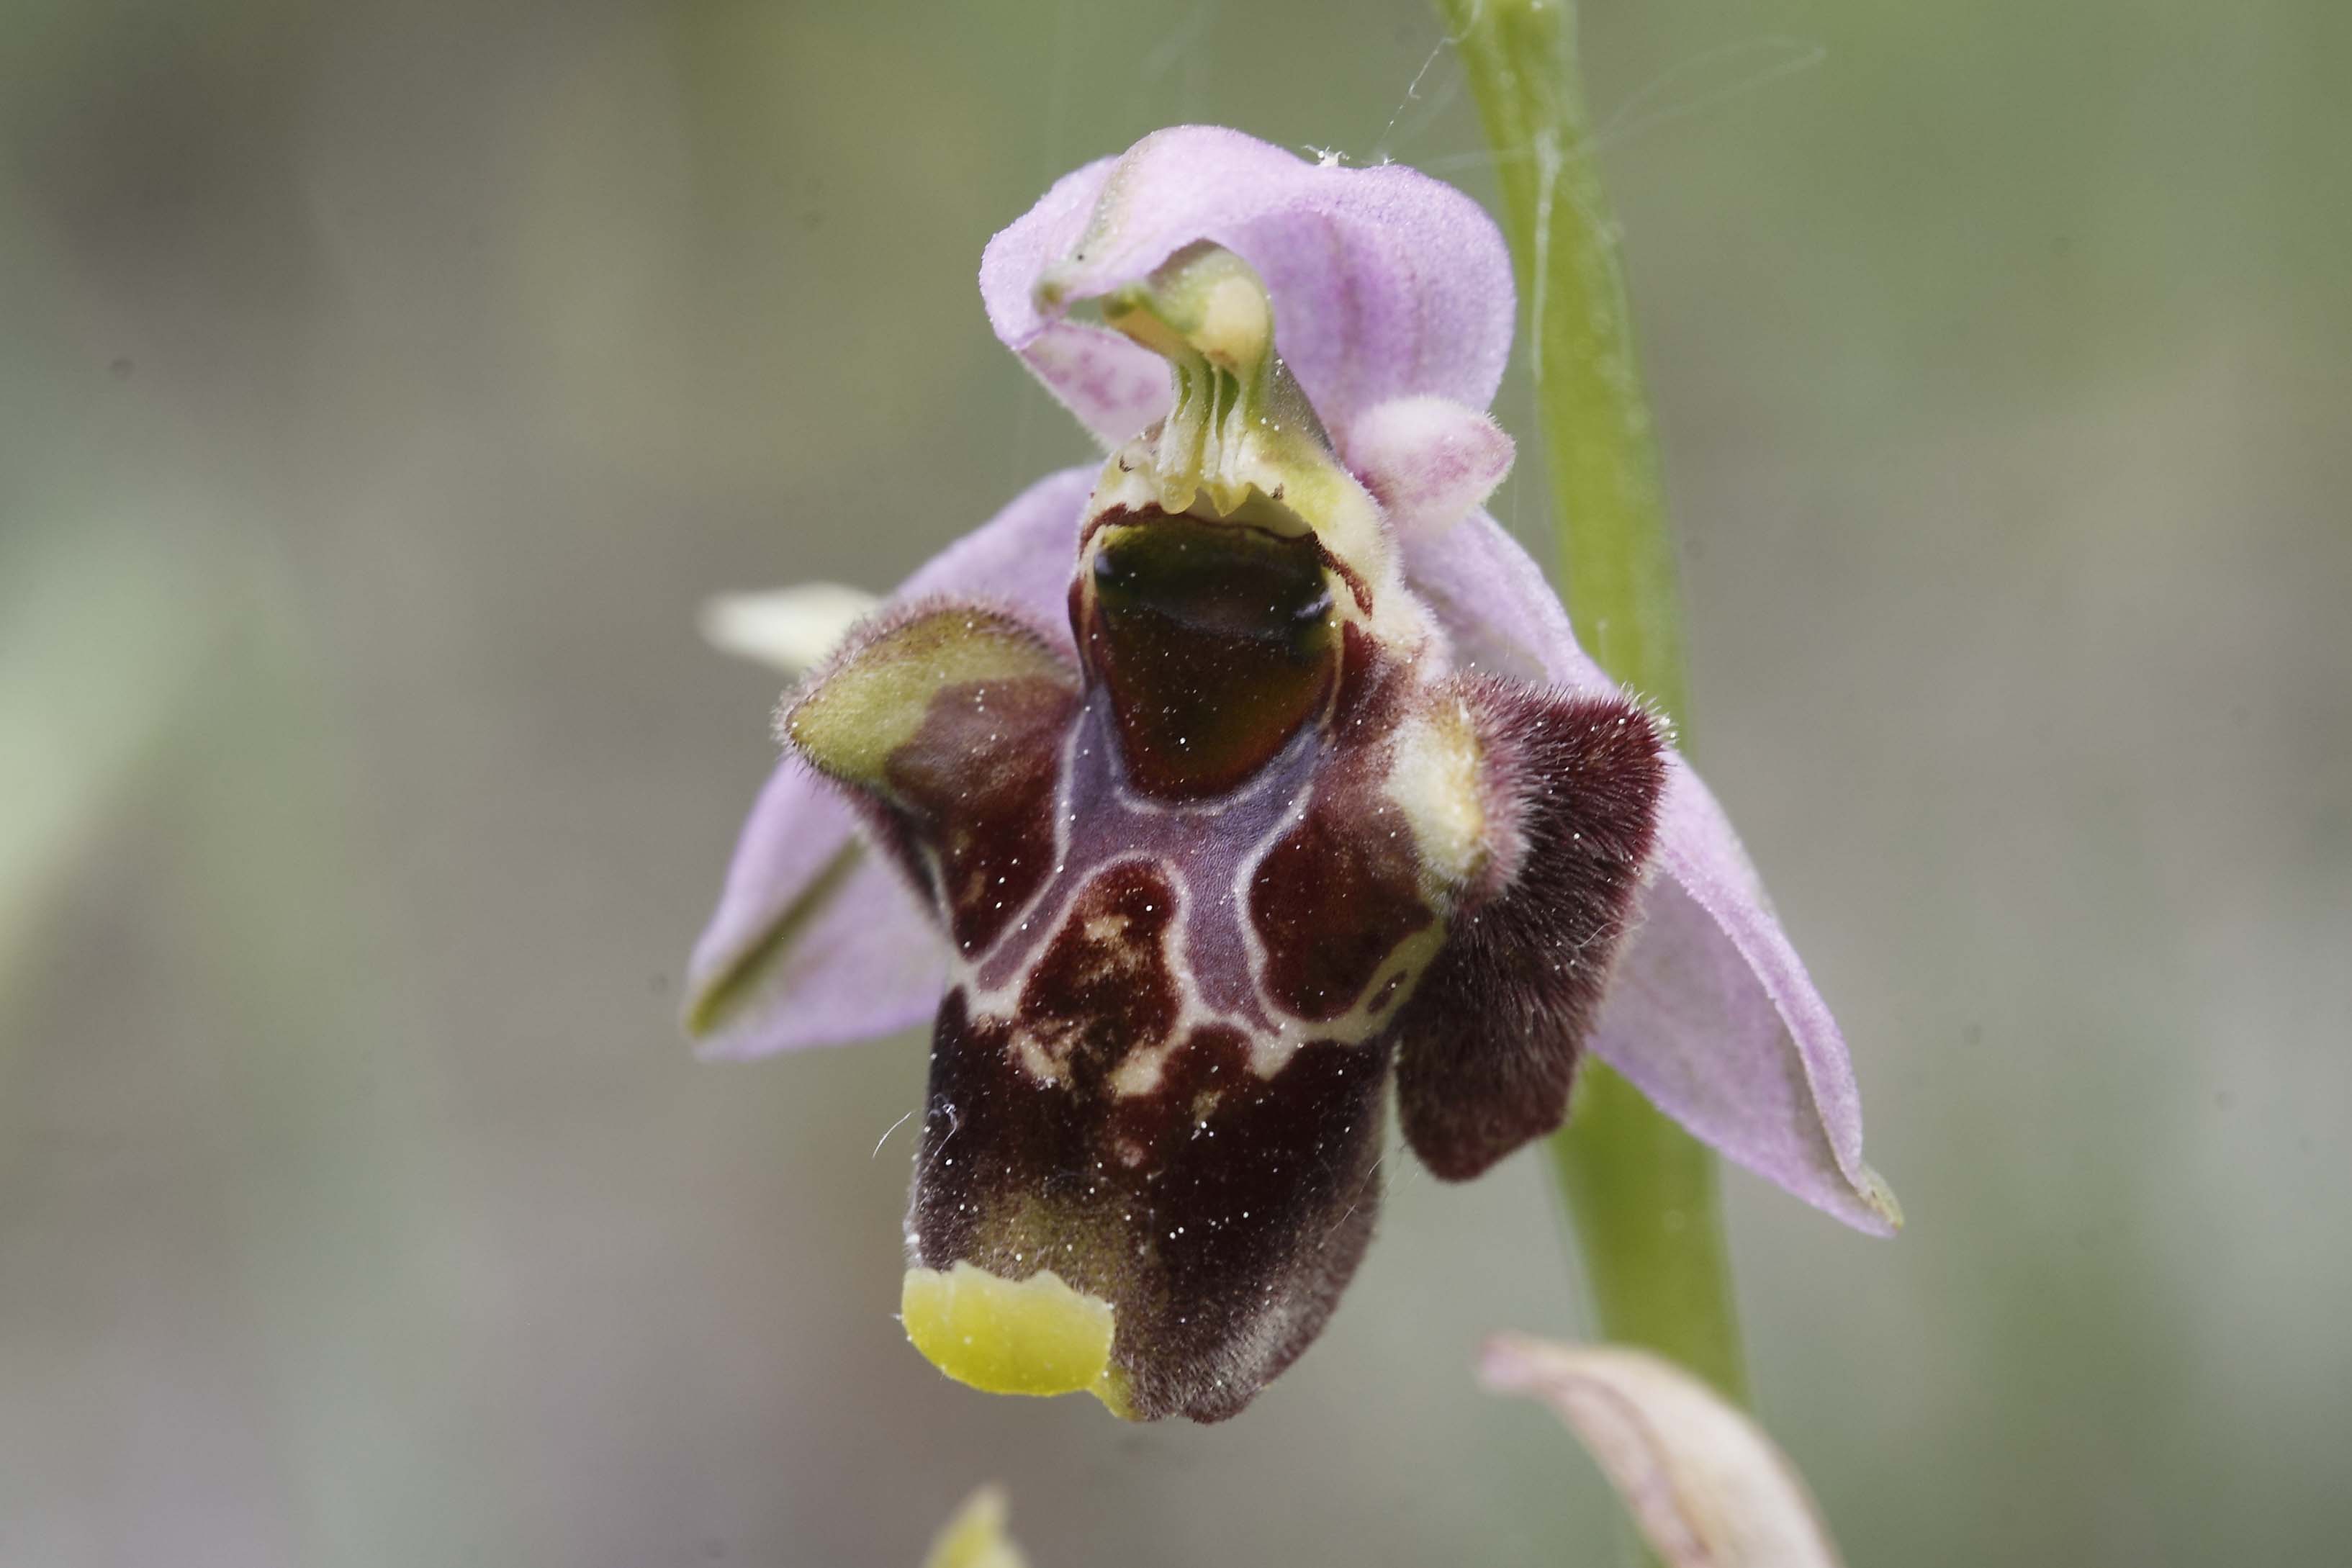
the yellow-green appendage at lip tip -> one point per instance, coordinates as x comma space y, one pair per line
1035, 1336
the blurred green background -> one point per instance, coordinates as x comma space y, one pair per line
383, 387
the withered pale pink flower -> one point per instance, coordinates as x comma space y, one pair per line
1705, 1486
1197, 795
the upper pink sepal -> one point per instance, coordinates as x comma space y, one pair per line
1385, 283
1429, 463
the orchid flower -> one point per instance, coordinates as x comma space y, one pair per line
1199, 795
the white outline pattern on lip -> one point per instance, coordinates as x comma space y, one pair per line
1101, 822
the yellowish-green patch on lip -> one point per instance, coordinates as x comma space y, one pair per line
1037, 1336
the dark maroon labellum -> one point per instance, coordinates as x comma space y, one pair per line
1210, 890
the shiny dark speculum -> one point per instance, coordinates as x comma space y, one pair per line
1217, 642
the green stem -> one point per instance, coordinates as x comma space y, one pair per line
1641, 1192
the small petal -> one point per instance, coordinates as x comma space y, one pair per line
1386, 283
787, 629
816, 940
1429, 463
1705, 1486
1711, 1013
974, 1535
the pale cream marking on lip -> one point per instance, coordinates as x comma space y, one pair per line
1404, 628
1433, 778
1270, 1048
1140, 1069
966, 973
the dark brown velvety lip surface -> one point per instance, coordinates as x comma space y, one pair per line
1220, 1213
1193, 932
